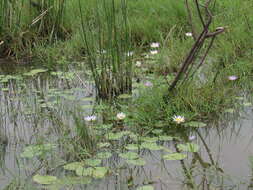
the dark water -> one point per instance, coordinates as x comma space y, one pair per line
24, 119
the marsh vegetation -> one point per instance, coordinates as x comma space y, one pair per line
131, 95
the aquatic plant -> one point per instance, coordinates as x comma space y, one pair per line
106, 39
178, 119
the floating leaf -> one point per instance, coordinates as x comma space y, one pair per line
129, 155
133, 136
247, 104
97, 172
73, 165
34, 72
165, 138
174, 156
132, 147
195, 124
104, 155
137, 162
188, 147
44, 180
151, 146
149, 139
146, 187
36, 150
81, 171
93, 162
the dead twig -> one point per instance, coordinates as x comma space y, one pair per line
198, 45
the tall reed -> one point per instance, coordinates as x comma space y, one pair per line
106, 39
26, 23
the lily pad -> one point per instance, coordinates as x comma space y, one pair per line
104, 155
149, 139
132, 147
96, 172
129, 155
195, 124
81, 171
188, 147
73, 165
174, 156
44, 180
146, 187
247, 104
137, 162
99, 172
34, 72
115, 136
36, 150
151, 146
93, 162
165, 138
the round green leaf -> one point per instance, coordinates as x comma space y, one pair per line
104, 155
73, 165
99, 172
93, 162
174, 156
44, 180
132, 147
165, 138
81, 171
129, 155
146, 187
151, 146
188, 147
149, 139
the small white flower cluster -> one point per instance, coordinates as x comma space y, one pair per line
188, 34
121, 116
138, 64
90, 118
232, 77
154, 45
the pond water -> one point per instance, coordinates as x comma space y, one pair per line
32, 106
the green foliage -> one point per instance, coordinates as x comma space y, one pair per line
106, 39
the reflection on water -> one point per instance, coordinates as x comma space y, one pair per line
25, 112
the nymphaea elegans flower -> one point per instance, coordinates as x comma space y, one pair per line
178, 119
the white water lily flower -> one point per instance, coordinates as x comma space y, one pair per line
153, 52
188, 34
154, 45
178, 119
121, 116
90, 118
138, 64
